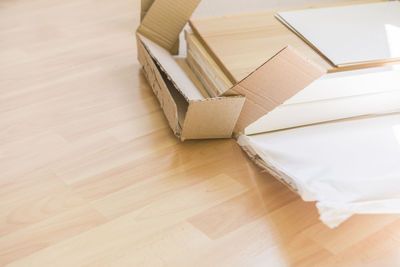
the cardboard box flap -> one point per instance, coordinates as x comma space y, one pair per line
172, 69
278, 79
165, 19
144, 7
212, 118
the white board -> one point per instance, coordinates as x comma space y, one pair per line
336, 96
352, 34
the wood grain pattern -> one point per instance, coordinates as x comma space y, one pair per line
242, 43
91, 175
239, 44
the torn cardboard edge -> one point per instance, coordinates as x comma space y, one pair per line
189, 117
257, 160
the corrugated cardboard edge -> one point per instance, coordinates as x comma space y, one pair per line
257, 160
274, 82
159, 87
168, 65
212, 118
144, 7
163, 20
189, 119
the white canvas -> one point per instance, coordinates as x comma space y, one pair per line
350, 34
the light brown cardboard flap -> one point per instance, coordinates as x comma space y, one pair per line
212, 118
280, 78
165, 19
144, 6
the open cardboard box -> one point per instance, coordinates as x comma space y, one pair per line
189, 113
347, 167
194, 115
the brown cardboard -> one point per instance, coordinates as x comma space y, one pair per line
144, 7
193, 115
281, 77
165, 20
190, 115
209, 118
173, 70
160, 89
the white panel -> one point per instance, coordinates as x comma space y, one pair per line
350, 34
287, 116
336, 96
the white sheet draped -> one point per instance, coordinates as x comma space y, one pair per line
347, 167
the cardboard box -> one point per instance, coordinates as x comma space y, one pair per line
190, 114
347, 167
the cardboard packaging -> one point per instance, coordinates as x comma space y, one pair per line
347, 167
239, 44
192, 115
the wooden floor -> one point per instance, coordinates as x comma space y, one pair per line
91, 175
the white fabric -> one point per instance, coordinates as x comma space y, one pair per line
347, 167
